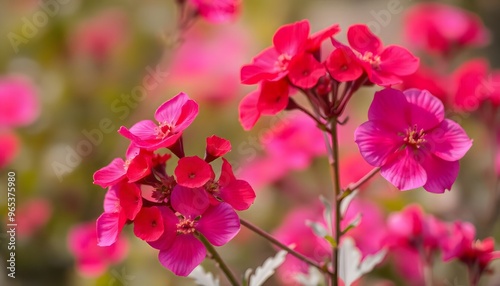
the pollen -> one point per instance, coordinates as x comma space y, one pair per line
414, 137
373, 60
283, 62
185, 226
163, 130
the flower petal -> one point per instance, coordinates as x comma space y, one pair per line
170, 110
170, 221
291, 39
111, 174
273, 97
387, 105
305, 71
263, 67
441, 174
130, 198
399, 61
449, 141
343, 65
148, 224
248, 112
109, 226
185, 253
239, 194
404, 170
219, 224
192, 172
363, 40
426, 111
375, 143
188, 201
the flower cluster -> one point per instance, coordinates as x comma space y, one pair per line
294, 62
411, 234
175, 213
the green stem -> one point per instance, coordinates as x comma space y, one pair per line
279, 244
220, 262
359, 183
336, 193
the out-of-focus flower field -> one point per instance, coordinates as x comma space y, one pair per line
72, 72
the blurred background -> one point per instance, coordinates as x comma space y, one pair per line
88, 67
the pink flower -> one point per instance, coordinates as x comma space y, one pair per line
173, 117
100, 36
476, 254
409, 138
138, 165
9, 147
180, 250
384, 66
92, 260
426, 78
193, 172
469, 85
343, 65
122, 202
217, 11
293, 53
443, 29
19, 104
32, 216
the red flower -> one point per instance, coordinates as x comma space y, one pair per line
384, 66
193, 172
216, 147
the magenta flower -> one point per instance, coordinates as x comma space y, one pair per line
442, 29
193, 172
138, 165
463, 245
92, 260
217, 11
180, 249
383, 65
19, 104
342, 64
216, 147
9, 147
408, 137
122, 202
173, 117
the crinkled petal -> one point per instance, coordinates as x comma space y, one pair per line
441, 174
144, 130
188, 201
363, 40
219, 224
449, 141
398, 61
305, 71
170, 221
404, 170
343, 65
426, 111
185, 253
273, 97
130, 198
111, 174
226, 174
170, 110
375, 143
263, 67
187, 115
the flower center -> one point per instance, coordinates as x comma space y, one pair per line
212, 188
414, 137
283, 62
373, 60
185, 226
126, 164
163, 130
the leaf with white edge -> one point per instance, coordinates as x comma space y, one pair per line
351, 267
344, 205
314, 277
317, 228
203, 278
327, 213
353, 223
262, 273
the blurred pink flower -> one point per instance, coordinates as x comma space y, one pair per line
100, 36
32, 216
19, 103
93, 260
463, 245
426, 78
217, 11
198, 60
409, 138
9, 147
443, 29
